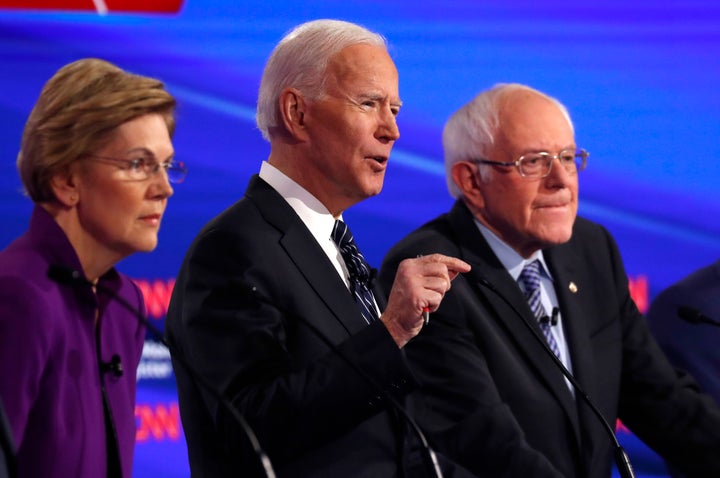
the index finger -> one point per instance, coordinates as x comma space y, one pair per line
454, 265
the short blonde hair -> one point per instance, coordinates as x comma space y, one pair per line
77, 109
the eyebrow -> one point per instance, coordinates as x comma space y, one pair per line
379, 97
540, 150
140, 149
144, 150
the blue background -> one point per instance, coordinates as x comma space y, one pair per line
641, 80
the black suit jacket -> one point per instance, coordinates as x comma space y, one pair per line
252, 287
691, 347
494, 400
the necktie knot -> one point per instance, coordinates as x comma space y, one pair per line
530, 280
358, 268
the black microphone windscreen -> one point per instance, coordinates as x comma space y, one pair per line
64, 274
689, 314
694, 316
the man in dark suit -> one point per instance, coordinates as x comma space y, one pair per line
262, 306
544, 283
691, 347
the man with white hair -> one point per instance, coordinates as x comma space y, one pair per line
547, 290
274, 303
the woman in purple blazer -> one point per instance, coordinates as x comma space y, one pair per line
96, 158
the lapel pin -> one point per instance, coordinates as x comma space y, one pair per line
573, 288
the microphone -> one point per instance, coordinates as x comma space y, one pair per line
622, 460
694, 316
114, 366
67, 276
553, 319
430, 457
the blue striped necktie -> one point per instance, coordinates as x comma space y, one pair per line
358, 269
530, 280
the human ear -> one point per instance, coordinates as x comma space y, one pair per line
467, 179
65, 188
292, 110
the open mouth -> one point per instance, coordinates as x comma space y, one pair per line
378, 159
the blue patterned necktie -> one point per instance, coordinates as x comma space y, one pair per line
530, 280
358, 269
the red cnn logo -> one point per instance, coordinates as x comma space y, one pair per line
157, 295
157, 422
639, 292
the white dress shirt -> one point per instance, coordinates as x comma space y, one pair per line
312, 213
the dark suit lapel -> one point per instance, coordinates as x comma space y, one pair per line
506, 301
569, 283
304, 251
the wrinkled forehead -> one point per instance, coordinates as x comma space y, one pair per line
362, 63
529, 121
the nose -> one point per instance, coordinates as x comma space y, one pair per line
388, 129
558, 177
161, 188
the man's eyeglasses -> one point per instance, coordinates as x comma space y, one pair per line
145, 166
539, 165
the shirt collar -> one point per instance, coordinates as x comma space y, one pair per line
509, 258
311, 211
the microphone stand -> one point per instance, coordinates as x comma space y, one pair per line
694, 316
622, 460
430, 456
68, 276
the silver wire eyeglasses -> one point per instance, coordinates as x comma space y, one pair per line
145, 166
539, 165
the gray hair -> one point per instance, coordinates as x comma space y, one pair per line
470, 132
300, 61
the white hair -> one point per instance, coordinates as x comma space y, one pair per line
300, 61
470, 132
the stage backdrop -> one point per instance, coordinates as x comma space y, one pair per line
640, 79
